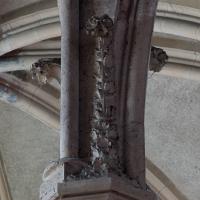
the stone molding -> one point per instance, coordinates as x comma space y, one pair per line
46, 108
161, 184
182, 64
31, 91
29, 37
4, 189
50, 15
110, 188
178, 12
183, 57
30, 21
45, 24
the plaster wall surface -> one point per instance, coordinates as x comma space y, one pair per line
27, 146
172, 131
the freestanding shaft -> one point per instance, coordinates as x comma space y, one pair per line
69, 114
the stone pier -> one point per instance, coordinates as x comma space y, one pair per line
104, 157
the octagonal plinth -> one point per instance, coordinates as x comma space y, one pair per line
105, 188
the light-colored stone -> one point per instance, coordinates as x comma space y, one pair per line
105, 188
172, 131
27, 146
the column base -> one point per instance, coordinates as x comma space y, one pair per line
104, 188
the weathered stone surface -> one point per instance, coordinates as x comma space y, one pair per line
104, 154
158, 59
104, 137
89, 8
104, 188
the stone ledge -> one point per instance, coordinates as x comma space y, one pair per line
105, 188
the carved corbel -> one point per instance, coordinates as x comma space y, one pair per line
158, 59
45, 70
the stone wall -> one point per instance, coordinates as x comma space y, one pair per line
27, 146
172, 131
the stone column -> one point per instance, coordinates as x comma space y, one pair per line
115, 168
69, 114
